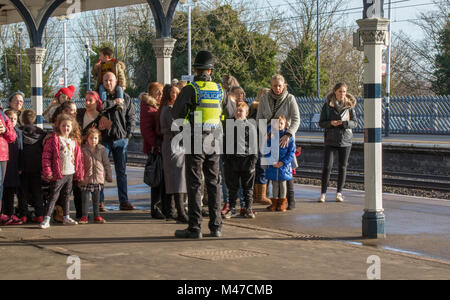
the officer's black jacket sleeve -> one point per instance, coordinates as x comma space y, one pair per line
184, 104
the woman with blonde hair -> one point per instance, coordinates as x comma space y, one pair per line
279, 102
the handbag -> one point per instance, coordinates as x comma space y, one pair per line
153, 170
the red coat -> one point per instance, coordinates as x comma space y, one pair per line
8, 137
149, 120
51, 163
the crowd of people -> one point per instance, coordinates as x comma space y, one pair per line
43, 169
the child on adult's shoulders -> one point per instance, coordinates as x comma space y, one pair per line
107, 63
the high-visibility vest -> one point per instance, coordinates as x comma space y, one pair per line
209, 97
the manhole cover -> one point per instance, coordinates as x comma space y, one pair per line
222, 254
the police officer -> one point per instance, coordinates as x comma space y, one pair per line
200, 103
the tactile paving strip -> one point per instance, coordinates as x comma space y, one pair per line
222, 254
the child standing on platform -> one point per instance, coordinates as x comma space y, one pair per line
62, 163
11, 181
240, 164
7, 135
97, 168
31, 181
281, 171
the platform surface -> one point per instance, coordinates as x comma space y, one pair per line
314, 241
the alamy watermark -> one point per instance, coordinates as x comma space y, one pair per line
374, 270
74, 270
239, 137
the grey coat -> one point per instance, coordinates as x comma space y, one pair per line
173, 163
288, 108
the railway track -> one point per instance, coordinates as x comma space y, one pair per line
428, 182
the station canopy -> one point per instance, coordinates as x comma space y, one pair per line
37, 8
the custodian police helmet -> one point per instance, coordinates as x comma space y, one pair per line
204, 60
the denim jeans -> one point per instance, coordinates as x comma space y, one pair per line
118, 149
260, 172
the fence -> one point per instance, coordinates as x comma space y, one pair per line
411, 114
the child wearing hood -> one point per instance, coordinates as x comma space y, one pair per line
281, 170
31, 181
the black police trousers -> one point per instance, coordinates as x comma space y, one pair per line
209, 164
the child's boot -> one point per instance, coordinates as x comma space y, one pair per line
274, 205
282, 204
260, 194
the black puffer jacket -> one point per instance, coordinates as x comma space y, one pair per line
338, 136
32, 149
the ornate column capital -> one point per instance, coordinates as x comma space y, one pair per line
164, 47
36, 55
373, 31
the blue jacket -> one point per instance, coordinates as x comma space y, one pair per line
286, 156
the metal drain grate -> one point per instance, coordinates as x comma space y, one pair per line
222, 254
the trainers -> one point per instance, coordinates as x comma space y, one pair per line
322, 198
45, 224
225, 209
24, 219
4, 219
339, 197
83, 220
13, 220
249, 213
231, 213
69, 221
99, 220
188, 234
127, 206
216, 233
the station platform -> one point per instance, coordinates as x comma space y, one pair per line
314, 241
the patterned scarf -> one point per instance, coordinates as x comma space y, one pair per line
277, 100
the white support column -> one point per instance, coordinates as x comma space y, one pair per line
36, 56
373, 33
163, 50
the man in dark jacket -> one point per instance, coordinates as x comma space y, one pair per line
201, 104
116, 132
